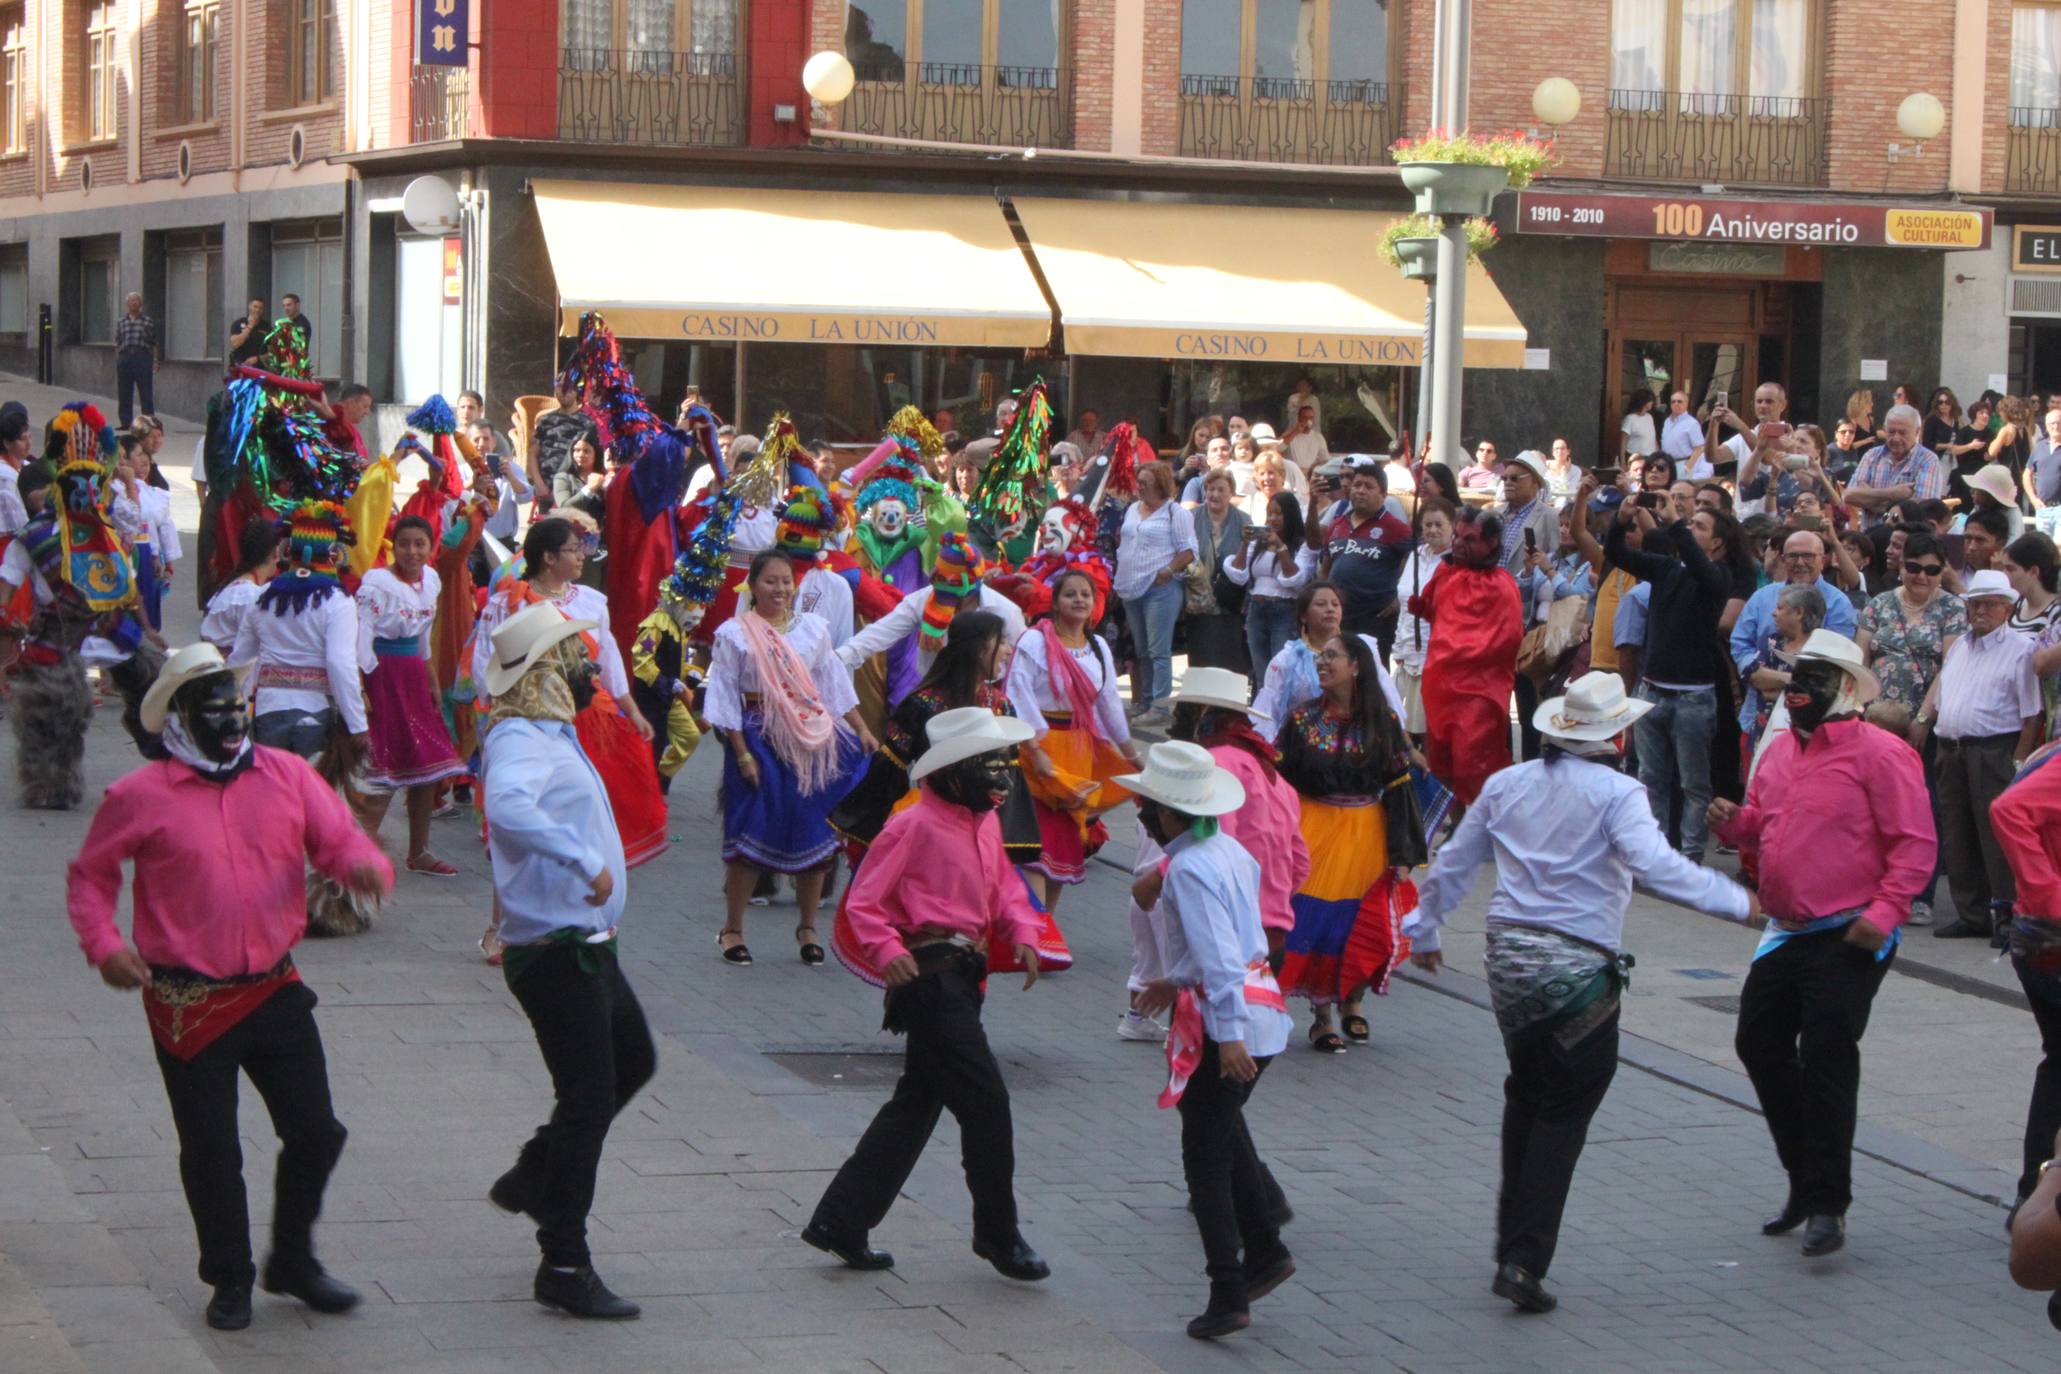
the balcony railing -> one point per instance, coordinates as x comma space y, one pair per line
1724, 139
2032, 150
438, 101
610, 95
1269, 119
952, 102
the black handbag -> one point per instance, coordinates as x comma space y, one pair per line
1407, 845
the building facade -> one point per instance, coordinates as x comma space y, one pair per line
1235, 152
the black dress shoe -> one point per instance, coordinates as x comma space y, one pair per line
1269, 1274
1788, 1219
512, 1192
855, 1254
1822, 1235
305, 1280
1517, 1284
1013, 1259
1221, 1319
581, 1293
1961, 928
229, 1309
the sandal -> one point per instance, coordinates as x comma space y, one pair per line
811, 952
733, 954
432, 866
1325, 1040
1355, 1026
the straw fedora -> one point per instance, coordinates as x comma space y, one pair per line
967, 732
1214, 687
1182, 777
1830, 646
1995, 479
1595, 708
1531, 458
188, 664
1988, 582
523, 638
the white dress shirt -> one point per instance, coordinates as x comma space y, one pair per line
1987, 685
732, 676
907, 617
1680, 435
320, 636
1262, 572
14, 513
1278, 694
226, 611
1569, 838
576, 602
511, 489
1032, 693
1213, 936
389, 608
1148, 545
550, 831
826, 594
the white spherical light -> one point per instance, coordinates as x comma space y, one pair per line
828, 77
1556, 101
1920, 116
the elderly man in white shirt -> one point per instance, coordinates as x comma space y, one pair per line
1681, 438
1986, 709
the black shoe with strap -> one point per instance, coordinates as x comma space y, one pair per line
305, 1279
581, 1293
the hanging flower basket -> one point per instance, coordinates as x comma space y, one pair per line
1411, 244
1461, 173
1418, 258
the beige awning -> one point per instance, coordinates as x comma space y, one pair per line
1244, 283
735, 265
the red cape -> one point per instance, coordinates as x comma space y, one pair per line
640, 556
1470, 670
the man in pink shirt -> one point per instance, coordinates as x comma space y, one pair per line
1839, 819
2027, 821
220, 832
925, 926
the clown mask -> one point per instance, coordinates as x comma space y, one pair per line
888, 517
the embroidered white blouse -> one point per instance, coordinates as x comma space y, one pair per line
1032, 692
732, 676
389, 608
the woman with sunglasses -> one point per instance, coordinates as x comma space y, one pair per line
1904, 635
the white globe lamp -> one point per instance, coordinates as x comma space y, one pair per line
1556, 101
828, 77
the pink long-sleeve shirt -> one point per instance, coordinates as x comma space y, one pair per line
941, 867
1269, 826
2027, 821
1842, 822
221, 883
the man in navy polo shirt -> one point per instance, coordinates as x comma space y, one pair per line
1364, 549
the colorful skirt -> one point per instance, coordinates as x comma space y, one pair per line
774, 826
410, 745
1348, 919
1069, 802
628, 775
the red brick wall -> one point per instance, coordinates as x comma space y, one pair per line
163, 21
1094, 71
1161, 131
271, 112
775, 50
1864, 91
1512, 54
1996, 96
18, 170
518, 68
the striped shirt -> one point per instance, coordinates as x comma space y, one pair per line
1149, 543
135, 334
1987, 686
1921, 470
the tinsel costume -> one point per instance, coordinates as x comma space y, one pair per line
87, 611
1012, 490
663, 679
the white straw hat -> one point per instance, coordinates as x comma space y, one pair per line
1536, 461
1830, 646
1214, 687
1995, 479
1988, 582
1183, 777
1595, 708
522, 639
192, 662
966, 732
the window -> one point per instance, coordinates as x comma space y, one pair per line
2035, 65
702, 27
311, 51
955, 42
1758, 57
15, 74
307, 261
1284, 47
99, 275
876, 38
194, 324
101, 52
14, 289
193, 62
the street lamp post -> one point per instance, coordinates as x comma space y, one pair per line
1449, 291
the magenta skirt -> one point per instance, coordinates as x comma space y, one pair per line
409, 744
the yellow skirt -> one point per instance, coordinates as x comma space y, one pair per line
1068, 802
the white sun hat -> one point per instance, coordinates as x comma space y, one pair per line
188, 664
1595, 708
967, 732
1183, 777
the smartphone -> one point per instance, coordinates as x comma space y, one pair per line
1531, 541
494, 464
1649, 499
1773, 429
1807, 522
1609, 476
1721, 401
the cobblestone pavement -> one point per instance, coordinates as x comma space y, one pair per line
767, 1074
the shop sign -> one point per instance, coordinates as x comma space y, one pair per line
442, 28
2036, 248
1718, 259
745, 326
454, 271
1718, 219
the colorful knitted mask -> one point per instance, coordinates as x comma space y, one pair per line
318, 535
807, 522
954, 578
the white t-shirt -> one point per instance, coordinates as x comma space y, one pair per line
1638, 434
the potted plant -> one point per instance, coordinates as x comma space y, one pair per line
1460, 173
1411, 243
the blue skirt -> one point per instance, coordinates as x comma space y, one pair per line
773, 826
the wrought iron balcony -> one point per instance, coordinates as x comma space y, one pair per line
2032, 151
1269, 119
613, 95
438, 104
1740, 140
953, 102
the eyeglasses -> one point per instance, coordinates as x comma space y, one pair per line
1925, 569
1332, 656
1802, 557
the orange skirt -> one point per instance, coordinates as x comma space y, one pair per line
628, 775
1073, 797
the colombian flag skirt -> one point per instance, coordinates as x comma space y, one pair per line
1348, 913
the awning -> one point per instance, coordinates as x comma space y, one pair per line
736, 265
1244, 283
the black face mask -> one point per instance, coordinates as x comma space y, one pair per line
213, 713
979, 784
582, 680
1813, 692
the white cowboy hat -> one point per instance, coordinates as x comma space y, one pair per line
1214, 687
1830, 646
1263, 433
1534, 460
522, 639
967, 732
1995, 479
1183, 777
1595, 708
193, 661
1988, 582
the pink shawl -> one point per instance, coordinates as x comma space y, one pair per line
798, 727
1069, 681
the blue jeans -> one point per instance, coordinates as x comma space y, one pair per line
1674, 748
1151, 618
1269, 624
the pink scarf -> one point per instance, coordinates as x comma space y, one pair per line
798, 727
1070, 680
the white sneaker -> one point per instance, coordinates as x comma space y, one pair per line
1137, 1026
1921, 913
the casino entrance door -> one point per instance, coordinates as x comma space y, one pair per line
1710, 338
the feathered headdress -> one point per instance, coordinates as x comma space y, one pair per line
1012, 480
911, 425
653, 451
79, 447
808, 522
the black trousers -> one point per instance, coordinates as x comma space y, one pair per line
1527, 693
598, 1048
1549, 1098
1234, 1201
2043, 1114
1973, 773
1801, 1016
280, 1048
134, 379
948, 1067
